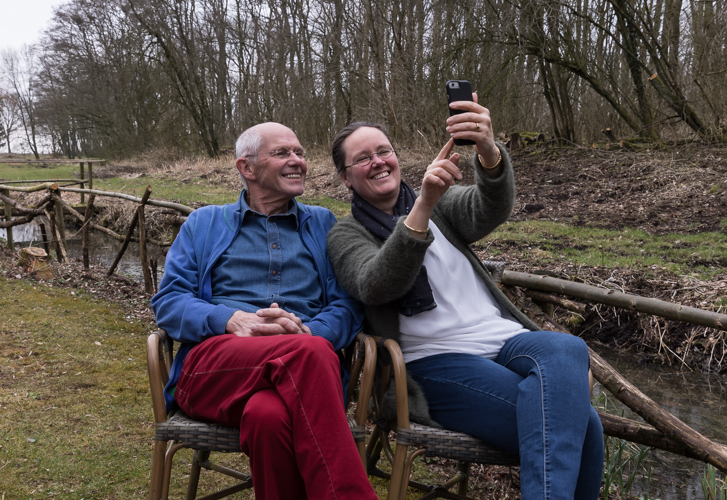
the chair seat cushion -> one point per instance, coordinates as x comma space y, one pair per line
454, 445
213, 437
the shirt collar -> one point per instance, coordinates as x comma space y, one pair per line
292, 211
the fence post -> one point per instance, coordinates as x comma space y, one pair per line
148, 285
60, 219
82, 185
8, 217
86, 220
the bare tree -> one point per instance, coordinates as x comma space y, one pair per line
20, 68
8, 116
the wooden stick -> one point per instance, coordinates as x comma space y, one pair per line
17, 221
657, 307
156, 203
60, 219
44, 237
558, 301
61, 254
132, 226
106, 230
81, 176
148, 284
86, 220
696, 444
31, 189
643, 434
9, 219
38, 210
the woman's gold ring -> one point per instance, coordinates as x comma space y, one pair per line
477, 127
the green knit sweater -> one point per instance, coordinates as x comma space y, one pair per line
379, 272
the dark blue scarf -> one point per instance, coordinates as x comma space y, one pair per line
419, 298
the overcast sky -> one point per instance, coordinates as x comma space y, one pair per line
22, 21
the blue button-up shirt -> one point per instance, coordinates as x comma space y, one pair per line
268, 262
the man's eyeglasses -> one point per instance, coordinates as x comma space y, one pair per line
364, 160
283, 154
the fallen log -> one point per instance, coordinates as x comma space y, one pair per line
646, 305
643, 434
696, 445
558, 301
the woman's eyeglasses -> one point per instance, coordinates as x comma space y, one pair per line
364, 160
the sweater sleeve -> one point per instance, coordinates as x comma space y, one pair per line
475, 211
371, 272
177, 306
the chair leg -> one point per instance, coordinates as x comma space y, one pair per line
399, 483
157, 470
463, 469
197, 460
168, 459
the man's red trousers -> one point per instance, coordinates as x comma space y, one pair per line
284, 392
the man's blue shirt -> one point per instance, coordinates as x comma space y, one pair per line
184, 307
277, 267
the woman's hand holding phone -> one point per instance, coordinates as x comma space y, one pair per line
473, 123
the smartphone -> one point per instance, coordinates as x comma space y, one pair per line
458, 90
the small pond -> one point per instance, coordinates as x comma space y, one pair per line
698, 399
102, 248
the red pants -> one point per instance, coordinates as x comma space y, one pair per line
284, 392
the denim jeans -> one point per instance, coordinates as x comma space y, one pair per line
532, 399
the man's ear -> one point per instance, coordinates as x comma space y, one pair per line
345, 179
244, 166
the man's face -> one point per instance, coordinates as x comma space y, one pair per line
275, 178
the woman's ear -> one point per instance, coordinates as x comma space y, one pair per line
345, 179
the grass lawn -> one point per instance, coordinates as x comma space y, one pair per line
75, 409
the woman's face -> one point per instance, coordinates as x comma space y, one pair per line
377, 182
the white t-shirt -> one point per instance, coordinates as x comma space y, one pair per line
466, 320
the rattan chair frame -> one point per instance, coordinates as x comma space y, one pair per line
415, 440
178, 431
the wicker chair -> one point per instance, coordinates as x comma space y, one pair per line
177, 431
414, 440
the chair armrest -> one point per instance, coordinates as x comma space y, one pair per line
158, 374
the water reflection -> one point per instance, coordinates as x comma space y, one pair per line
102, 248
698, 399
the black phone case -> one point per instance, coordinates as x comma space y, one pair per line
460, 92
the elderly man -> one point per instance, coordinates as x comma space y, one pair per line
249, 292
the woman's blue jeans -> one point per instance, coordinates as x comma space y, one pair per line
533, 399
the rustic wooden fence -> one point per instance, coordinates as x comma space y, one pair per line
52, 209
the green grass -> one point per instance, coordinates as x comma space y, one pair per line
76, 419
549, 242
75, 409
16, 172
165, 188
339, 208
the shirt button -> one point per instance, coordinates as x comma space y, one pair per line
274, 245
274, 273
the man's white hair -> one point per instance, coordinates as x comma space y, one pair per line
248, 144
